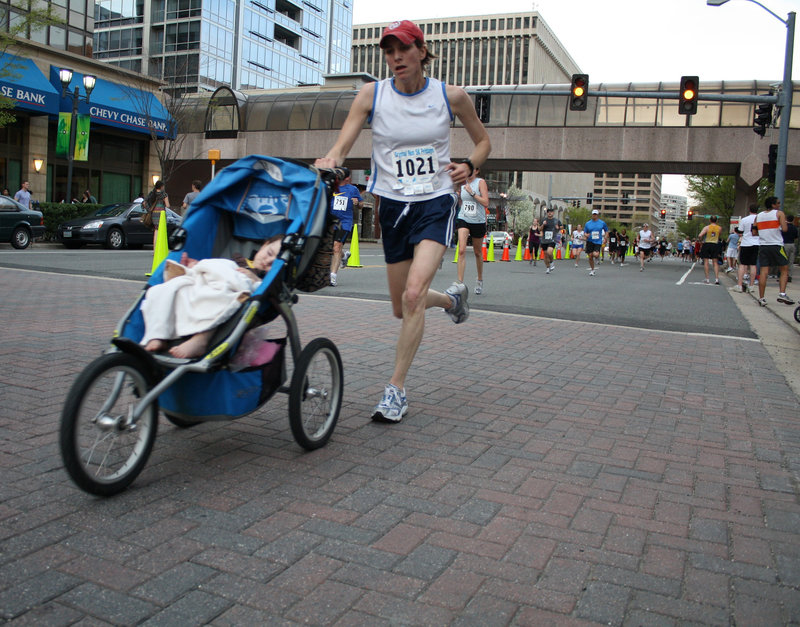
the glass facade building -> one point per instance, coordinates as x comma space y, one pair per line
199, 45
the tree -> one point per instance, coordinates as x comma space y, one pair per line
578, 215
715, 195
22, 19
519, 207
690, 228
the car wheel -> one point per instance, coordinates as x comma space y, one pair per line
115, 239
21, 238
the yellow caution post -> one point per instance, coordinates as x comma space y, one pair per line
161, 250
490, 256
455, 259
518, 256
354, 261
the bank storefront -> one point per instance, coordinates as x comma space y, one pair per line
114, 154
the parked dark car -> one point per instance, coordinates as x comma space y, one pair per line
114, 226
19, 225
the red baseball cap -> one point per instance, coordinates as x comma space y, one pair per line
407, 32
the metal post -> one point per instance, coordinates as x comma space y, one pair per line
73, 133
786, 111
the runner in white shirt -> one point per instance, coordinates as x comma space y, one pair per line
646, 240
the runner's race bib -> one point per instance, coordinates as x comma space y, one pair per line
548, 235
595, 236
414, 169
470, 209
340, 202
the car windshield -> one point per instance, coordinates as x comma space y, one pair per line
109, 211
498, 233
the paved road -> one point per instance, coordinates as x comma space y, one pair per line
569, 475
668, 296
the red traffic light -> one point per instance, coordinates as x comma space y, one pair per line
663, 213
687, 96
689, 214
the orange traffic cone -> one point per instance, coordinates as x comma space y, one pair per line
505, 256
527, 255
484, 249
558, 252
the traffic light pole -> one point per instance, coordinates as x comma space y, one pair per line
785, 103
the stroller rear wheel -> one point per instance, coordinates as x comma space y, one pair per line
102, 451
315, 394
797, 313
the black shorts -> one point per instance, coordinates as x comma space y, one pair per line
646, 251
593, 247
709, 250
476, 231
748, 255
546, 245
340, 235
770, 255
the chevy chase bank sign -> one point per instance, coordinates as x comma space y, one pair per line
128, 119
23, 95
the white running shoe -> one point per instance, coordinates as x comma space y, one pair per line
393, 405
479, 287
333, 280
591, 273
547, 271
459, 310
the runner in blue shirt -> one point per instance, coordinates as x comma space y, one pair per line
342, 205
596, 235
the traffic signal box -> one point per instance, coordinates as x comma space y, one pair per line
579, 91
663, 213
689, 214
687, 104
773, 162
762, 118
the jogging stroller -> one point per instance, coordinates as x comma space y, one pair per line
110, 417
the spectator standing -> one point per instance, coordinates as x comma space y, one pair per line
88, 197
344, 200
748, 250
197, 185
156, 202
770, 223
23, 196
790, 243
411, 116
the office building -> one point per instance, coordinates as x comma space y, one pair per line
628, 198
199, 45
676, 208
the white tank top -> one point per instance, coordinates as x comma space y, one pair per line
471, 210
410, 142
769, 228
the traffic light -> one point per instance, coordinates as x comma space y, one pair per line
578, 97
773, 162
589, 197
762, 118
688, 95
689, 214
663, 213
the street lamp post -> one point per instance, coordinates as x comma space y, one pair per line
784, 98
65, 76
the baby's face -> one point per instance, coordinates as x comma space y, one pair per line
266, 255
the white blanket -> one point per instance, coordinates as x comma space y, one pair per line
202, 298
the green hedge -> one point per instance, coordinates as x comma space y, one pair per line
57, 212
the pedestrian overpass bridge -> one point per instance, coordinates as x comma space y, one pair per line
529, 130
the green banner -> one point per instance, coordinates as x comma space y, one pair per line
62, 139
82, 124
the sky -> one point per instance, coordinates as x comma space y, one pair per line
618, 41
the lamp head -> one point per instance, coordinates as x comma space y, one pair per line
65, 76
715, 3
37, 164
89, 83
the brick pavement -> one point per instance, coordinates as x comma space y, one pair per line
577, 474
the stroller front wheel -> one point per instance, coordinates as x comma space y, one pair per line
315, 394
102, 450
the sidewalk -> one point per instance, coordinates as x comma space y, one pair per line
576, 474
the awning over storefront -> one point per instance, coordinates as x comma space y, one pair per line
22, 81
117, 105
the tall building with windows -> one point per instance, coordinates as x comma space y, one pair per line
73, 35
199, 45
507, 49
676, 208
628, 198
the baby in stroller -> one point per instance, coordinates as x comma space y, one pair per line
197, 296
